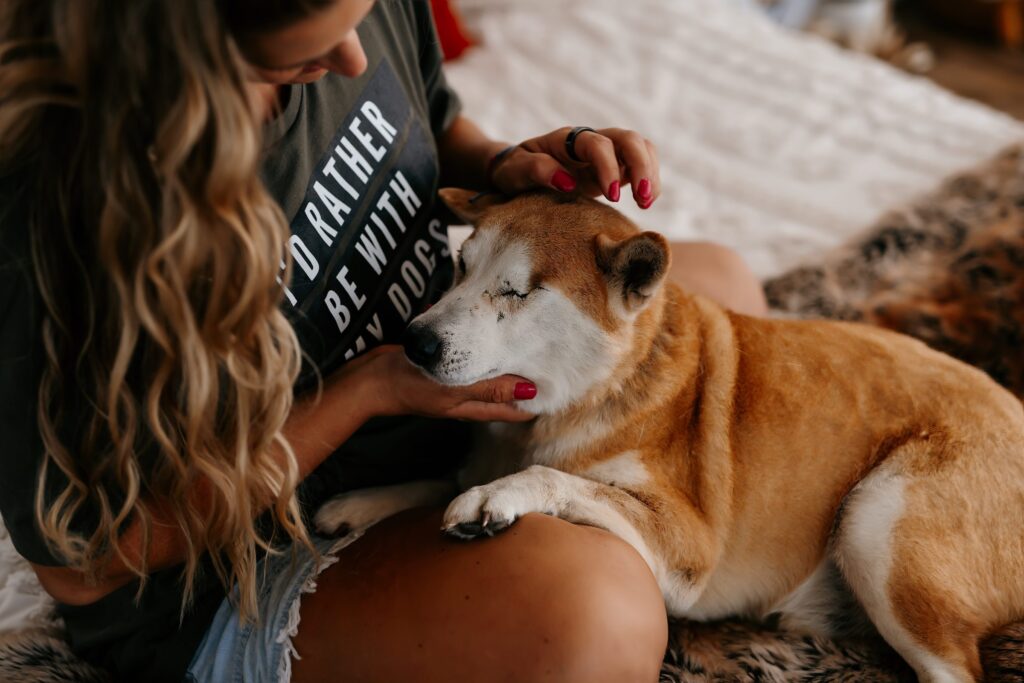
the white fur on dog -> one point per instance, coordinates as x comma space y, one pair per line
625, 470
734, 590
487, 333
812, 606
568, 443
549, 491
863, 551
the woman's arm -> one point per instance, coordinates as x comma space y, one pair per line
464, 152
382, 382
610, 158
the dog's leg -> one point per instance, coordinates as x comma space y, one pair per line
491, 508
365, 507
914, 571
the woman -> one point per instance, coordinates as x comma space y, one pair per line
210, 208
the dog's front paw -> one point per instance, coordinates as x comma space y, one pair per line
355, 510
485, 511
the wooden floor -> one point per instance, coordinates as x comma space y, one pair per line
970, 67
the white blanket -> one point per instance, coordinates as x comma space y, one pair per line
775, 143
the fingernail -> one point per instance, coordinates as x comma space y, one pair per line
646, 203
643, 189
563, 181
613, 191
525, 391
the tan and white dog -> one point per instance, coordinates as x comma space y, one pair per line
757, 465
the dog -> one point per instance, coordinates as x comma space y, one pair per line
757, 465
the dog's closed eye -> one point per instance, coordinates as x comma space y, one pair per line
509, 293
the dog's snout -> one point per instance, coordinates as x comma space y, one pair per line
422, 346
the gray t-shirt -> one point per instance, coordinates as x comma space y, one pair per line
353, 163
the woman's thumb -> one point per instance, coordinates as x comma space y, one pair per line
531, 170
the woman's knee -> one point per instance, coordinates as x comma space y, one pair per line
545, 601
720, 274
609, 618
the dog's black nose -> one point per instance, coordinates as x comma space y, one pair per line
422, 346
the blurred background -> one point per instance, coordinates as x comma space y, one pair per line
979, 47
973, 47
784, 127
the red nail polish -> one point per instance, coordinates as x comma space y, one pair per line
643, 189
646, 203
562, 181
525, 391
613, 191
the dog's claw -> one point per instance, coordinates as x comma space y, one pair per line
468, 530
473, 530
497, 527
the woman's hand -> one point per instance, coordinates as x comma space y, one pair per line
610, 159
394, 386
381, 382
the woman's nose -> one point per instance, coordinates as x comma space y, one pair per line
347, 59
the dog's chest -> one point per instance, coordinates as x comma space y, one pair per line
502, 449
565, 445
624, 470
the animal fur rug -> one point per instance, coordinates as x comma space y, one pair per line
737, 651
723, 652
43, 656
948, 270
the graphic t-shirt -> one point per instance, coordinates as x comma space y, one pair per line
353, 163
357, 172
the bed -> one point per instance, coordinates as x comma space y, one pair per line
777, 144
774, 143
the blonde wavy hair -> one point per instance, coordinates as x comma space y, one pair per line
157, 253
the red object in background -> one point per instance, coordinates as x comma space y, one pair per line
454, 40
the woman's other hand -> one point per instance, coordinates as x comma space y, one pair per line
394, 386
610, 159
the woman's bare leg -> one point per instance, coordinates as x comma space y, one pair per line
718, 273
544, 601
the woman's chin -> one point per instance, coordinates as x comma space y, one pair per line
305, 77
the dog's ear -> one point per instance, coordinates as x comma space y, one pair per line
467, 204
634, 267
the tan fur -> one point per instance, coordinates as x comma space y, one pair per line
753, 432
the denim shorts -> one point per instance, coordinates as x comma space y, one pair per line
261, 651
